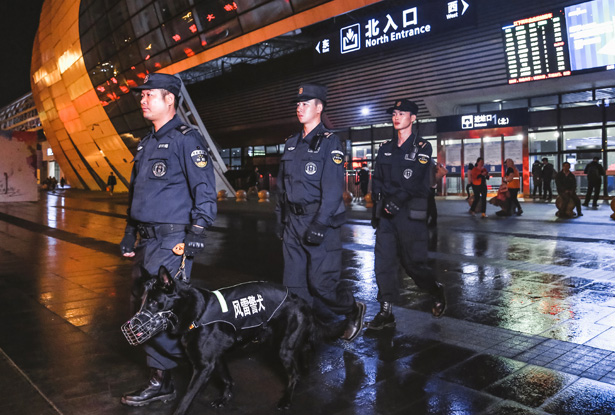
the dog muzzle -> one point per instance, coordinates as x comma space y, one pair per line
145, 325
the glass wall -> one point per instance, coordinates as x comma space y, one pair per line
124, 40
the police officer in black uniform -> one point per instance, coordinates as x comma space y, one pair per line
172, 200
311, 211
401, 183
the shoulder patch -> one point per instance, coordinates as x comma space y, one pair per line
199, 157
184, 129
337, 156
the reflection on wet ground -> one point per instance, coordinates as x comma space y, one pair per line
530, 327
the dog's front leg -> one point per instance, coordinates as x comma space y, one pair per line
225, 376
199, 377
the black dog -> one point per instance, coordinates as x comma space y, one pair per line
211, 322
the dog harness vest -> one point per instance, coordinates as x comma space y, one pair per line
243, 306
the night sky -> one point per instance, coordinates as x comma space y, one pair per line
18, 25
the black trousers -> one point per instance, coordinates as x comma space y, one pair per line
405, 241
595, 188
480, 196
432, 209
546, 189
163, 351
513, 202
314, 272
537, 186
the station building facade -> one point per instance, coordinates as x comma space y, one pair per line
448, 56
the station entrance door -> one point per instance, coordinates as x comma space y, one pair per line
456, 150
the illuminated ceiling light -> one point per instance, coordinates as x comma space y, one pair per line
365, 111
556, 134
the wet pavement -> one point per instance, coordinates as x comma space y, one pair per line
530, 326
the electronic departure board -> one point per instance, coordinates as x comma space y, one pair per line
573, 40
536, 48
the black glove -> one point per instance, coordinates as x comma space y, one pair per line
315, 233
194, 241
392, 205
375, 222
279, 230
128, 242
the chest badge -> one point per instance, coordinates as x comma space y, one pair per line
290, 148
407, 174
337, 156
311, 168
159, 168
199, 158
163, 145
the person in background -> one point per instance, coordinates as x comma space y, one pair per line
537, 178
547, 175
111, 182
594, 171
469, 180
479, 178
438, 171
513, 180
566, 183
364, 179
253, 180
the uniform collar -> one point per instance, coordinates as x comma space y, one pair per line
173, 123
407, 144
317, 130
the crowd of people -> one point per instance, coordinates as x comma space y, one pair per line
543, 174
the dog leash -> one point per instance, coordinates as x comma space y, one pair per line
181, 272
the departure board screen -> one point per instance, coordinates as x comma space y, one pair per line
536, 48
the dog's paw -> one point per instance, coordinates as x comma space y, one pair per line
220, 402
284, 404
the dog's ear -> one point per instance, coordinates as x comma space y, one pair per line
165, 278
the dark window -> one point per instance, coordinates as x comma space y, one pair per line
145, 21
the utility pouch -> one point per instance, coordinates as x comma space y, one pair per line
417, 209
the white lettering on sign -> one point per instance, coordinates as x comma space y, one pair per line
248, 306
410, 17
469, 122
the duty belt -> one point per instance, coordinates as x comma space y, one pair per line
148, 231
299, 209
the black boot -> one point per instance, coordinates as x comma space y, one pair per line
439, 301
159, 388
355, 322
383, 319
